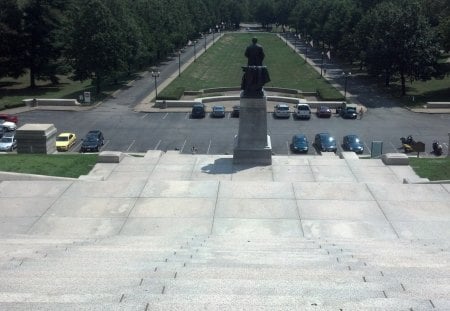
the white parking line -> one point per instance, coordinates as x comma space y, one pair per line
106, 142
288, 149
157, 145
145, 115
186, 116
128, 149
209, 146
367, 148
77, 146
181, 150
165, 116
395, 148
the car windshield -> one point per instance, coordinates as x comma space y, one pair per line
91, 139
284, 108
218, 108
6, 140
302, 108
300, 139
62, 138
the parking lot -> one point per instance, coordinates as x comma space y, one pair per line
130, 131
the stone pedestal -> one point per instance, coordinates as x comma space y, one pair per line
252, 144
36, 138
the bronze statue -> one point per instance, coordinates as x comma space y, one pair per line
255, 74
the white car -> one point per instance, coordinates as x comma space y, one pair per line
8, 143
282, 111
8, 126
303, 111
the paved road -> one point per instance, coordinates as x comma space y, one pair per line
130, 131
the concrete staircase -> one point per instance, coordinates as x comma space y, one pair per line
167, 231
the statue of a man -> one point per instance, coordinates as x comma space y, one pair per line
255, 74
254, 53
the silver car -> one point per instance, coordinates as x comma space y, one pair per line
8, 143
8, 126
282, 111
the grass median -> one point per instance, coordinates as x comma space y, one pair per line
433, 169
221, 65
61, 165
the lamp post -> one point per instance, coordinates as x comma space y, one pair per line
204, 36
155, 75
346, 75
179, 62
195, 51
321, 65
213, 35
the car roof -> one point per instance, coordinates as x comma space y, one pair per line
218, 106
282, 105
66, 134
300, 136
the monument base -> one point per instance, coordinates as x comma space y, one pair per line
253, 156
252, 144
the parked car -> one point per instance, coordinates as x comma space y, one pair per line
299, 143
64, 141
325, 142
8, 117
353, 143
8, 143
282, 111
303, 111
236, 110
8, 126
218, 111
324, 112
348, 111
93, 141
198, 111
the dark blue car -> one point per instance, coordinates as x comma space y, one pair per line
353, 143
92, 142
325, 142
300, 143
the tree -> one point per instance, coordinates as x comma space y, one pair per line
96, 47
42, 22
398, 40
264, 12
11, 56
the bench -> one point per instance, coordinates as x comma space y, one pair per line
50, 102
395, 159
438, 105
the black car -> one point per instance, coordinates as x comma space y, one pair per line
93, 141
353, 143
236, 110
198, 111
325, 142
299, 143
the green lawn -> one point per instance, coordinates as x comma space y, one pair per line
433, 169
13, 91
221, 65
65, 165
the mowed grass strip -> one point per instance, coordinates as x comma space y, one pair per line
64, 165
221, 66
433, 169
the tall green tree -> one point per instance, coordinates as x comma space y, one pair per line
96, 48
11, 47
42, 23
398, 40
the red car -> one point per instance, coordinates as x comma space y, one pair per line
9, 118
324, 112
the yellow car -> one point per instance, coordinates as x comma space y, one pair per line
64, 141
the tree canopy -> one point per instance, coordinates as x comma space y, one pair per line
100, 38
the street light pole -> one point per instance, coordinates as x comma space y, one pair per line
179, 63
321, 65
195, 52
204, 35
155, 75
346, 75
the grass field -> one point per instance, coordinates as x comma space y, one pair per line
65, 165
221, 66
433, 169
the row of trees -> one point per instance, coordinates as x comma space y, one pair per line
101, 38
389, 37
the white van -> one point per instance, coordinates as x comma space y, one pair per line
282, 111
302, 111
